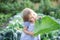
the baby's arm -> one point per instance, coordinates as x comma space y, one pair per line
27, 32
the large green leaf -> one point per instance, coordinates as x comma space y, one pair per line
45, 25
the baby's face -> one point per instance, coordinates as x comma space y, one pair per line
32, 18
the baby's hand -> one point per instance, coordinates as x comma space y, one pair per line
31, 33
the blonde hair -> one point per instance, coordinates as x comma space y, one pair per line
26, 12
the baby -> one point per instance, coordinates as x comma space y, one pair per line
29, 17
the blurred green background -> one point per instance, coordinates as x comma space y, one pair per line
10, 8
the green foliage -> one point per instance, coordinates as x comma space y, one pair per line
7, 1
44, 7
55, 13
53, 35
4, 18
35, 1
8, 9
12, 31
12, 7
8, 34
15, 23
47, 9
46, 25
26, 4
